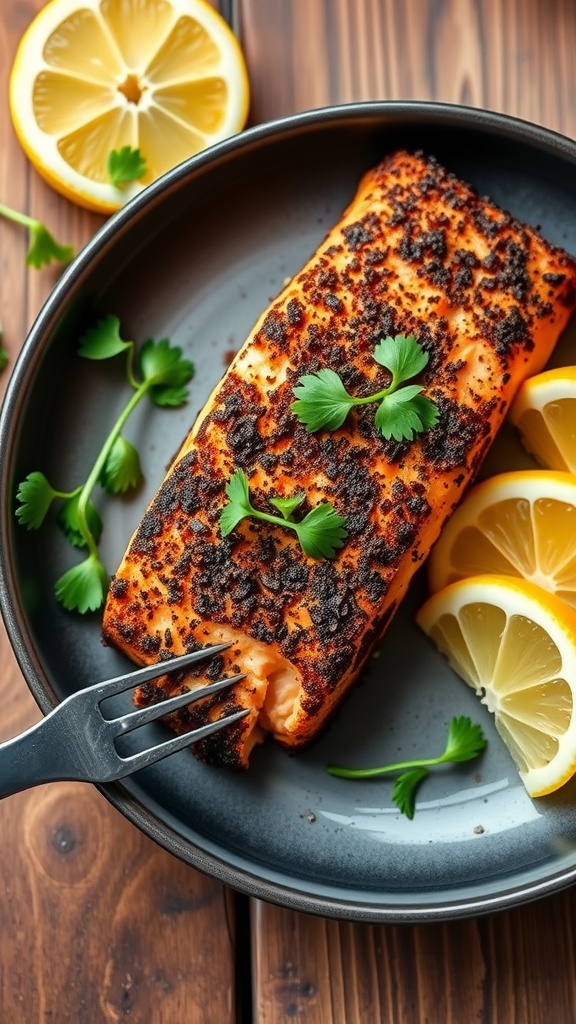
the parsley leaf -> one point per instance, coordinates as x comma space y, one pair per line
83, 588
165, 372
125, 165
405, 788
43, 247
35, 495
320, 534
103, 340
322, 401
122, 469
69, 519
464, 741
164, 375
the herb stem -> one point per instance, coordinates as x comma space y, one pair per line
398, 766
94, 475
17, 217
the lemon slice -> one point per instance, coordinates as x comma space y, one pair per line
544, 411
515, 645
166, 77
514, 524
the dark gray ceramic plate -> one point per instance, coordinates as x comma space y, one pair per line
196, 258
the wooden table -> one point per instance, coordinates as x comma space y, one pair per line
97, 924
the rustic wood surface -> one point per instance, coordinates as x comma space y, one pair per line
98, 924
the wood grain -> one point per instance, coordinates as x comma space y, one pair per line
98, 925
516, 56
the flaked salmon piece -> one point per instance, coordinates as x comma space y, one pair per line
419, 252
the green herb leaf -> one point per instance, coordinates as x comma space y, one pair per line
402, 355
238, 507
69, 520
165, 372
83, 588
403, 412
321, 401
465, 740
103, 341
398, 416
320, 533
45, 249
287, 506
125, 165
405, 788
35, 495
122, 469
3, 358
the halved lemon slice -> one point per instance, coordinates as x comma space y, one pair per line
544, 411
515, 524
515, 645
166, 77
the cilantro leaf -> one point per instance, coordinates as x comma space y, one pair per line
398, 417
83, 588
103, 341
125, 165
69, 521
44, 248
322, 401
36, 496
122, 469
238, 506
405, 788
402, 355
165, 372
287, 506
320, 533
465, 740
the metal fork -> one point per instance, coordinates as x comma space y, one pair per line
76, 741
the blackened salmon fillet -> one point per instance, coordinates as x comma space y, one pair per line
416, 252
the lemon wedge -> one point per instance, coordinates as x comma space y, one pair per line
515, 645
544, 411
166, 77
515, 524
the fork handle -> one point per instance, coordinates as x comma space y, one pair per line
38, 755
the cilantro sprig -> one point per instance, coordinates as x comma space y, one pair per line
403, 411
162, 375
125, 165
320, 533
465, 740
42, 246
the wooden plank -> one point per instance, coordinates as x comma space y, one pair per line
517, 56
98, 923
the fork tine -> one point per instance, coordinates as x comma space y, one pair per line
134, 719
131, 678
144, 758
